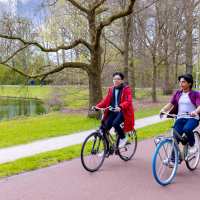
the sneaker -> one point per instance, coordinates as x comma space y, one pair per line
122, 142
192, 150
100, 154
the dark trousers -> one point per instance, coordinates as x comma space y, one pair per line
184, 125
114, 120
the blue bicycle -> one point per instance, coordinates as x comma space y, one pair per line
169, 154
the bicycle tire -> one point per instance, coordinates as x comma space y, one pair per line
188, 162
158, 154
88, 147
131, 145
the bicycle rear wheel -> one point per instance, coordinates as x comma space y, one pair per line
193, 160
165, 162
93, 152
128, 151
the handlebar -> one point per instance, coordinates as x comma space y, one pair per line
110, 108
173, 115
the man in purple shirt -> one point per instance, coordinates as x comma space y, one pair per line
183, 101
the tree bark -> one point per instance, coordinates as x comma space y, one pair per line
154, 80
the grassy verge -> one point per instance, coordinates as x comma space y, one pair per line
72, 97
54, 157
28, 129
148, 111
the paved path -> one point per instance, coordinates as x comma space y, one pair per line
20, 151
116, 180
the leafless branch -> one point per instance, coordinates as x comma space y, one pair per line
29, 43
78, 5
97, 5
116, 16
14, 54
59, 68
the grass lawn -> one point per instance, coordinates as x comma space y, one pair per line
71, 96
27, 129
24, 130
54, 157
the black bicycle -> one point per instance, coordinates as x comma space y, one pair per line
95, 149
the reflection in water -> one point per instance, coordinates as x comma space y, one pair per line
12, 107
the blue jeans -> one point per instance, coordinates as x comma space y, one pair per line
186, 125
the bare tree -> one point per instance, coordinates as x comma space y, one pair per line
189, 13
91, 10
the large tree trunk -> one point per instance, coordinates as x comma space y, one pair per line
167, 87
94, 73
95, 91
95, 87
126, 37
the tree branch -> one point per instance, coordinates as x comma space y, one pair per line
79, 6
114, 45
14, 54
98, 5
114, 17
79, 65
144, 8
63, 47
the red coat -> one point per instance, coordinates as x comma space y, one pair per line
125, 104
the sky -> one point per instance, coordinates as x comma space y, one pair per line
25, 8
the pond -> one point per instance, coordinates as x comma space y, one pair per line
13, 107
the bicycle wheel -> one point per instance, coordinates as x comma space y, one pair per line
128, 151
164, 170
193, 160
93, 152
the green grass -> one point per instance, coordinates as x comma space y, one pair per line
27, 129
71, 96
54, 157
148, 111
24, 130
40, 92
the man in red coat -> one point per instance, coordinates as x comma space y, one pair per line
119, 96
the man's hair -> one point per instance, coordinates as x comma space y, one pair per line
119, 74
188, 78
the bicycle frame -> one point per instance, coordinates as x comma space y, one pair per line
182, 154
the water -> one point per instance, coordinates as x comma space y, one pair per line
13, 107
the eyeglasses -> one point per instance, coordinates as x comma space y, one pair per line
116, 79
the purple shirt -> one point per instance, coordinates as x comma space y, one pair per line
193, 95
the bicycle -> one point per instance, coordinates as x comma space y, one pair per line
95, 149
163, 167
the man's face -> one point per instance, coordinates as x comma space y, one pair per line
117, 80
184, 85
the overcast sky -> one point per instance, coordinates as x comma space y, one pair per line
25, 8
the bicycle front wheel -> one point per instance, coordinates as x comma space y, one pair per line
128, 151
192, 161
165, 162
93, 152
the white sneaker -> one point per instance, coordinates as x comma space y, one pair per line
122, 142
192, 150
100, 154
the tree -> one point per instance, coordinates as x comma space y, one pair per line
98, 17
